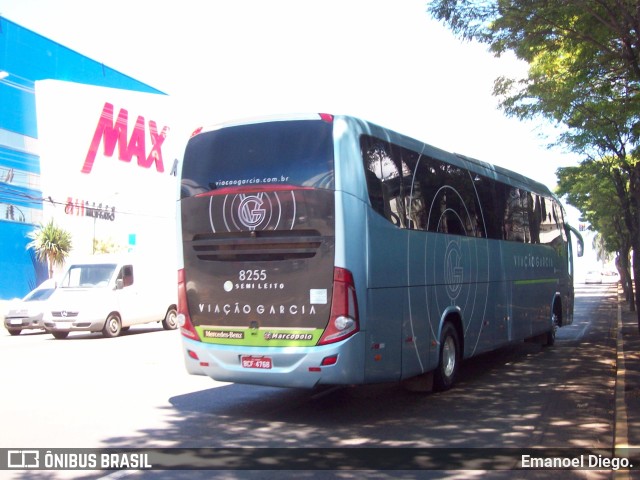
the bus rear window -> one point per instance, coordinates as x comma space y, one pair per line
298, 153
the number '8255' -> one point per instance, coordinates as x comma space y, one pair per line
252, 275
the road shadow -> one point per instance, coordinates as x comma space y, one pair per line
522, 396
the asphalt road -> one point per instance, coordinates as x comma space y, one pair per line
133, 391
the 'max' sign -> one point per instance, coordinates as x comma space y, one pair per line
111, 133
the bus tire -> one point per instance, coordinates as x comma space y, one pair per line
448, 359
550, 339
112, 326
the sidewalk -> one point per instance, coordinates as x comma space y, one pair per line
627, 393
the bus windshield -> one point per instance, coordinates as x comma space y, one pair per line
296, 153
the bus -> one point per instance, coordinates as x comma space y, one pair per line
326, 250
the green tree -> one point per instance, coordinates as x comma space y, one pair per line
51, 244
584, 65
584, 76
603, 250
108, 245
591, 188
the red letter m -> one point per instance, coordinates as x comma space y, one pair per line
111, 133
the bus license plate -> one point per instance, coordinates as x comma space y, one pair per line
256, 362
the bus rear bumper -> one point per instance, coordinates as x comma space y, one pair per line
300, 367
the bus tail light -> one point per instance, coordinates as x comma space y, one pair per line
328, 361
184, 319
344, 309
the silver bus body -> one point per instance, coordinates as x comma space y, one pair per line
417, 244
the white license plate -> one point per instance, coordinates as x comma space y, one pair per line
63, 325
15, 321
256, 362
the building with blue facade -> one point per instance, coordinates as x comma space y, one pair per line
26, 57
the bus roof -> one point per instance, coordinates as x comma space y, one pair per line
498, 173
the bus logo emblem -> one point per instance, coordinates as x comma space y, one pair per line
242, 212
250, 211
454, 271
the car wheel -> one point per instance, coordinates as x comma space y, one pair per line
449, 359
170, 322
60, 335
14, 331
113, 326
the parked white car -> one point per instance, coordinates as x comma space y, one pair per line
593, 276
109, 294
26, 314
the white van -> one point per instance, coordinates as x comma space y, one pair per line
108, 294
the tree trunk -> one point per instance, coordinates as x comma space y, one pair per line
50, 262
634, 190
636, 280
623, 267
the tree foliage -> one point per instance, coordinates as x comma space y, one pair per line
107, 245
51, 244
583, 75
591, 187
583, 58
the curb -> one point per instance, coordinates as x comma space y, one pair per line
620, 432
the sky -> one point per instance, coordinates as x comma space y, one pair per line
385, 61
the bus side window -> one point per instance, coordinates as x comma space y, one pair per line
535, 217
493, 205
548, 222
413, 165
387, 185
560, 222
450, 199
516, 218
376, 195
416, 209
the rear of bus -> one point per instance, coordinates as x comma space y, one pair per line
260, 298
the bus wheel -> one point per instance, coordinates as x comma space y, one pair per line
112, 327
550, 339
170, 322
449, 359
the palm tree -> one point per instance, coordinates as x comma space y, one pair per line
52, 244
